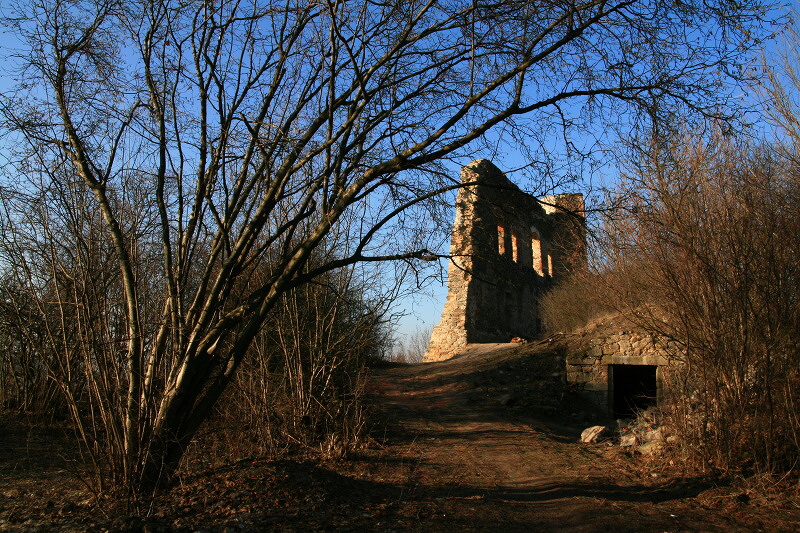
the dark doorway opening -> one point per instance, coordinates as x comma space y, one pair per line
634, 389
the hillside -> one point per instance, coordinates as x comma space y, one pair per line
485, 441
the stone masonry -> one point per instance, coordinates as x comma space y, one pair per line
588, 369
507, 248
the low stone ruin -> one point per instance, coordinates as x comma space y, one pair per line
623, 369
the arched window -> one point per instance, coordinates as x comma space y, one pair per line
501, 239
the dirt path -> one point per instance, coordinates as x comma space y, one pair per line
483, 466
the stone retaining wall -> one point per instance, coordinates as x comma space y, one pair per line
588, 370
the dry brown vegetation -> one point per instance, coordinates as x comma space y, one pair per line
704, 253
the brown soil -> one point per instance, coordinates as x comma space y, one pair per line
483, 442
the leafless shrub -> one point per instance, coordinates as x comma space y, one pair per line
412, 348
574, 303
303, 381
26, 383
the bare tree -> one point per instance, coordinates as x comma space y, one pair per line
166, 150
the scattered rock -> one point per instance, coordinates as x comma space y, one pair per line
594, 434
654, 435
649, 448
627, 440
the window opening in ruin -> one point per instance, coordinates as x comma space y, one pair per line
549, 263
514, 247
545, 251
633, 388
501, 239
536, 251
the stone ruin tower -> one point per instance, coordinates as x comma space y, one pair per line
507, 248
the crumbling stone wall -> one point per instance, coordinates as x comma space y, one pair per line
507, 247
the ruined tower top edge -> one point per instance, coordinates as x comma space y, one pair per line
485, 172
570, 202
